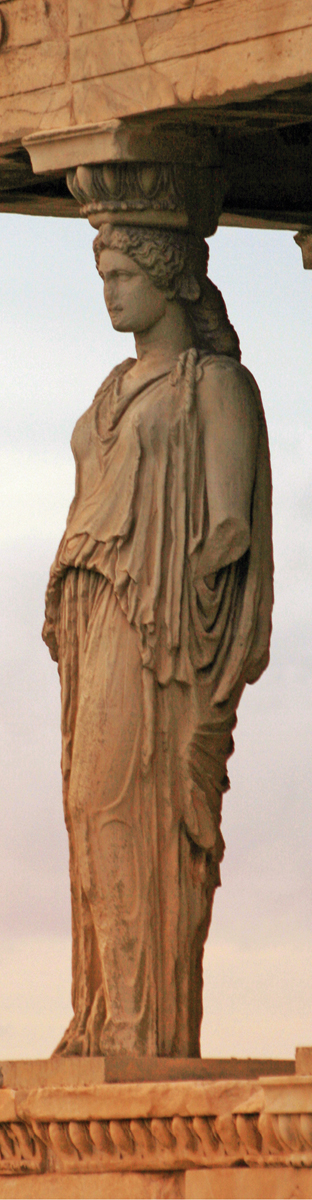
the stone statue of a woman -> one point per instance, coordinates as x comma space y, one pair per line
158, 613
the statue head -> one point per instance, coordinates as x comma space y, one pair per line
154, 267
133, 302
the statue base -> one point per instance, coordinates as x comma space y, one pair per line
66, 1131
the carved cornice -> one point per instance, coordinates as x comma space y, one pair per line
21, 1152
252, 1126
159, 1144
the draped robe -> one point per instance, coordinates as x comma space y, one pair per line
158, 611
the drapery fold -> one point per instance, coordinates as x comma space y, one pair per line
140, 518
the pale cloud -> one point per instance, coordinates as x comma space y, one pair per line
250, 998
35, 491
34, 995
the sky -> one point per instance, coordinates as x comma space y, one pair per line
57, 347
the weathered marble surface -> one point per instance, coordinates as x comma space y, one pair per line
206, 78
120, 60
171, 26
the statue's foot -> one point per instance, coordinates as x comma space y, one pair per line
82, 1037
72, 1041
96, 1035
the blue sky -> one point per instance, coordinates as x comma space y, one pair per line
57, 346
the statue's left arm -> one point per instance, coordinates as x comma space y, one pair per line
229, 428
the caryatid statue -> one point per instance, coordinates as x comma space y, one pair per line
158, 611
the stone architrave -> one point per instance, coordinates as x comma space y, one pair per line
158, 611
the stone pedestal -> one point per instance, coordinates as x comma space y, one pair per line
243, 1137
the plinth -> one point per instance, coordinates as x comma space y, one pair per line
170, 1129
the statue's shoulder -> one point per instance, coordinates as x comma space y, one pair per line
219, 366
223, 382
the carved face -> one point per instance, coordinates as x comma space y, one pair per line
133, 302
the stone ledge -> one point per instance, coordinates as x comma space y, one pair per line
258, 1183
122, 1068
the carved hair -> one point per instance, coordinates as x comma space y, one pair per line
176, 263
